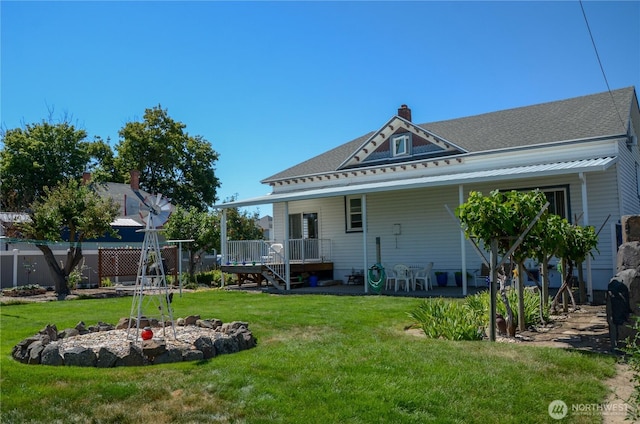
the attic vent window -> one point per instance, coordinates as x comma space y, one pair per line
401, 145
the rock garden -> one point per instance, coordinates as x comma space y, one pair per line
106, 345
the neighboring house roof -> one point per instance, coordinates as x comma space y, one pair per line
126, 197
597, 115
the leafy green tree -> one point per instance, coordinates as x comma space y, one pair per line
578, 242
192, 224
70, 212
500, 219
102, 165
170, 161
37, 156
204, 228
242, 225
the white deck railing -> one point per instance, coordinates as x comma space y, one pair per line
253, 252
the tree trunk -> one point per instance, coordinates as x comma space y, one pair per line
511, 326
192, 264
60, 274
57, 273
521, 321
565, 289
544, 272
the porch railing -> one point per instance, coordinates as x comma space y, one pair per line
251, 252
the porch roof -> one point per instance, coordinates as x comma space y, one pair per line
518, 172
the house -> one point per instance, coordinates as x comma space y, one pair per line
266, 224
386, 196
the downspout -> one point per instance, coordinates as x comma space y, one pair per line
364, 241
585, 216
223, 242
287, 265
463, 250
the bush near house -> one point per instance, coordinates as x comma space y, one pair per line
468, 319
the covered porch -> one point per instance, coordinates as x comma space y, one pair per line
284, 265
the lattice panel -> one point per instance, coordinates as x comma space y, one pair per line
123, 262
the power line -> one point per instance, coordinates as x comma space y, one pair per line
586, 21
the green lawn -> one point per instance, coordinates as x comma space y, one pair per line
320, 359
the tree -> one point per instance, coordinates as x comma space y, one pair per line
242, 225
499, 220
40, 155
192, 224
70, 212
204, 229
170, 161
578, 242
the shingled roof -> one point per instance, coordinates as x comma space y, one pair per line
596, 115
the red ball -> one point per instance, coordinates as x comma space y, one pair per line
146, 334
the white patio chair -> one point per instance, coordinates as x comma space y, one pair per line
391, 277
402, 274
423, 278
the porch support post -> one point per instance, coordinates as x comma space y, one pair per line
15, 267
364, 242
463, 250
287, 265
585, 216
223, 243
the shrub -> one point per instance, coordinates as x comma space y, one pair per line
480, 304
452, 320
466, 320
205, 278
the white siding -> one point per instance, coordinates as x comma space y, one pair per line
429, 234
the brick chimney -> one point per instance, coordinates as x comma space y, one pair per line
135, 179
405, 112
86, 178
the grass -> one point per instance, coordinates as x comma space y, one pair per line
320, 359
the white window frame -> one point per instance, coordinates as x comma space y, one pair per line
353, 214
400, 145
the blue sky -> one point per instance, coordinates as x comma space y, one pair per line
271, 84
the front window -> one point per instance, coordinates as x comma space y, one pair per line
557, 199
354, 214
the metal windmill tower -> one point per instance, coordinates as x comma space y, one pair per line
151, 297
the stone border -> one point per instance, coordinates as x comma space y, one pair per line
105, 346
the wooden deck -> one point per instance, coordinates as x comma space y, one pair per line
300, 272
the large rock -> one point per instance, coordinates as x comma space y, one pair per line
20, 351
51, 332
51, 355
169, 356
80, 357
628, 265
192, 355
628, 256
205, 345
226, 345
35, 350
133, 358
245, 339
106, 358
153, 348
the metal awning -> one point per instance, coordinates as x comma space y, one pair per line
512, 173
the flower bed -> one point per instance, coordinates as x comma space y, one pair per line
22, 291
